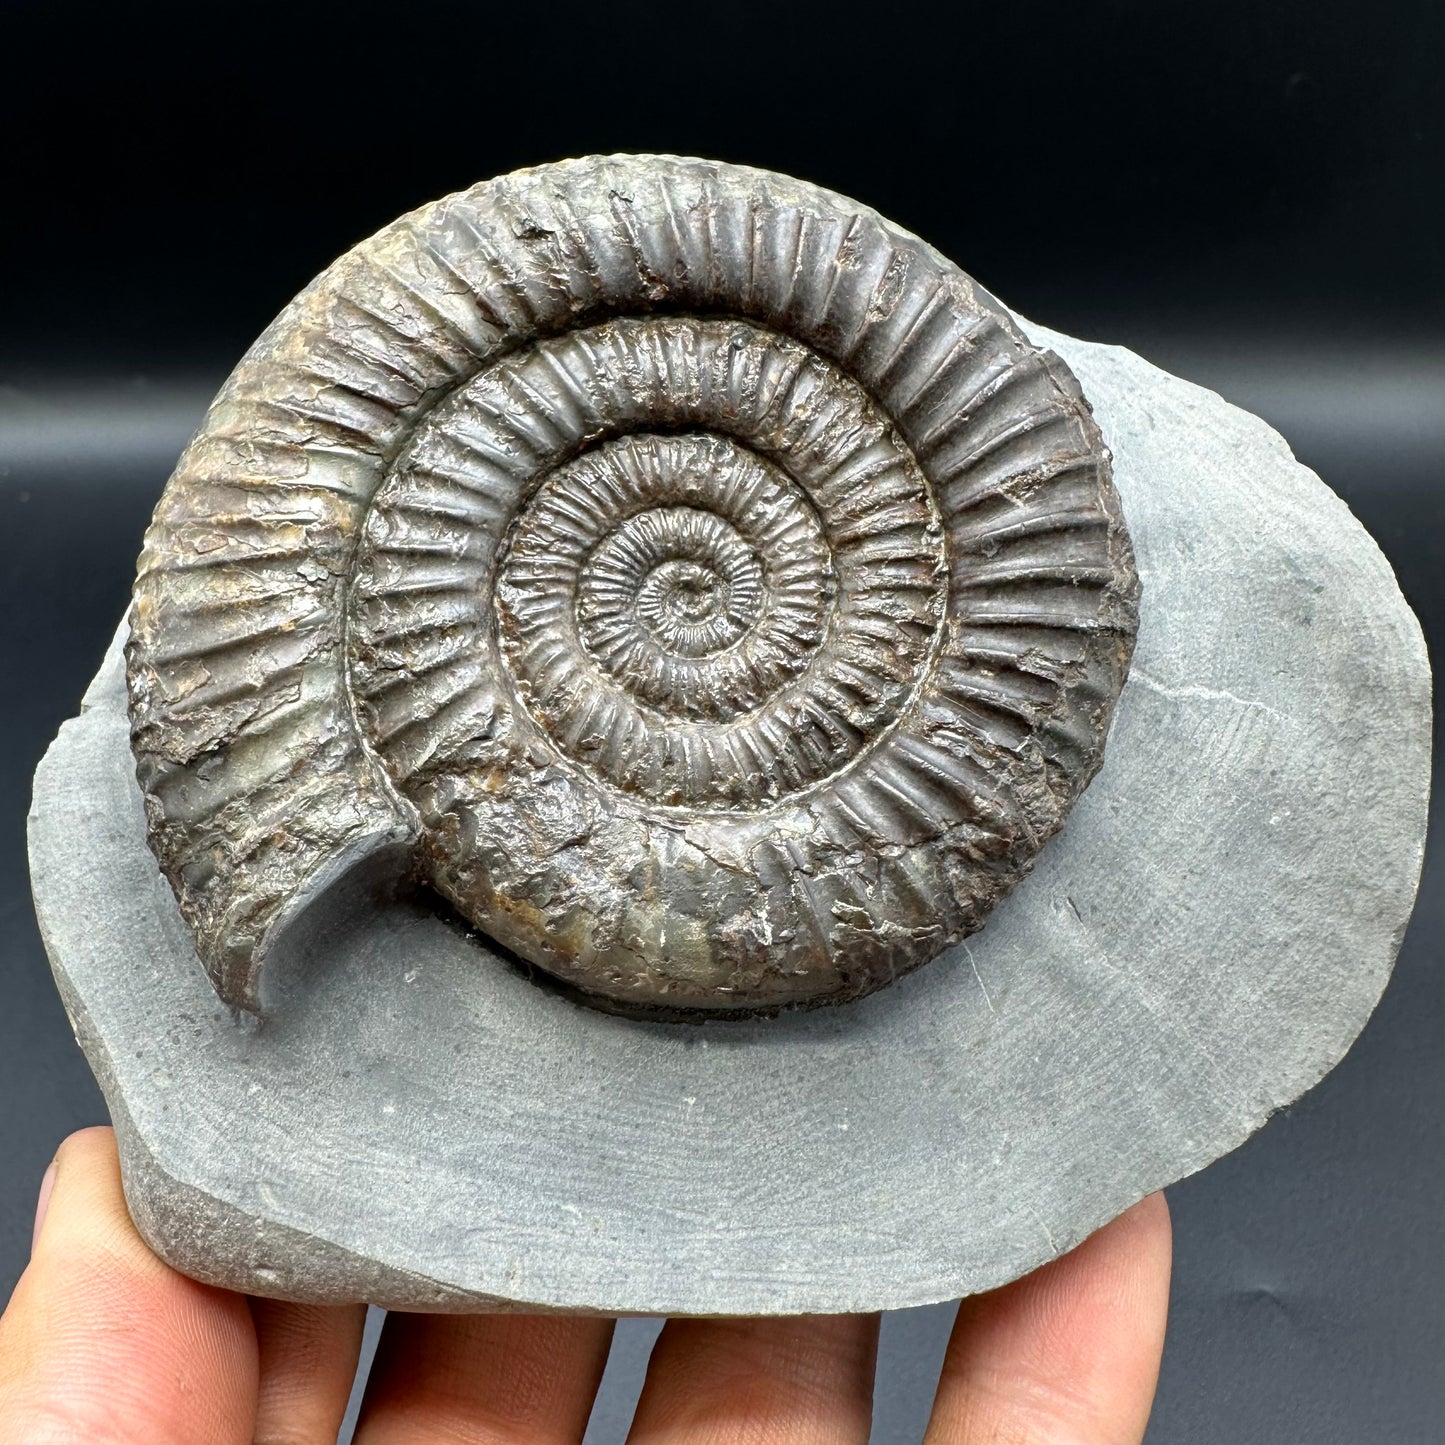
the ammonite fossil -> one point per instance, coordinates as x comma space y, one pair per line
698, 581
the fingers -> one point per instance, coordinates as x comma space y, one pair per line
759, 1382
488, 1379
102, 1342
308, 1356
1068, 1355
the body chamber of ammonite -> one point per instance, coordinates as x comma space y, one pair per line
700, 583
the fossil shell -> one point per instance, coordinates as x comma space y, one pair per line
700, 580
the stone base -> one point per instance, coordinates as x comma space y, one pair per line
418, 1124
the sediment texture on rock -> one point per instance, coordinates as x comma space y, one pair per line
418, 1124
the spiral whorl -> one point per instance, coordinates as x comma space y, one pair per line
705, 578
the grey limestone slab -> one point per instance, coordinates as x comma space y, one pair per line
419, 1124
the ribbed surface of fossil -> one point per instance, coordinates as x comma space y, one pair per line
702, 581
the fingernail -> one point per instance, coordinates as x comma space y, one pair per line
42, 1204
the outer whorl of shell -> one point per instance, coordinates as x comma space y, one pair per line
703, 578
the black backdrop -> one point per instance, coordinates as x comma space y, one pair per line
1250, 194
177, 172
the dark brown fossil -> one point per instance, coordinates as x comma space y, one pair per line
702, 580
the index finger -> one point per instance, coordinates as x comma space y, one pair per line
103, 1342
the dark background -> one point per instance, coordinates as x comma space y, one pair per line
1248, 194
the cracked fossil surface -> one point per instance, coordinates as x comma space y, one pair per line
700, 583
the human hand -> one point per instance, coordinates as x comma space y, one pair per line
103, 1343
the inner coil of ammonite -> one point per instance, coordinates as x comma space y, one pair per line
702, 582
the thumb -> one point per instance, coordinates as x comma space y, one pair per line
105, 1343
